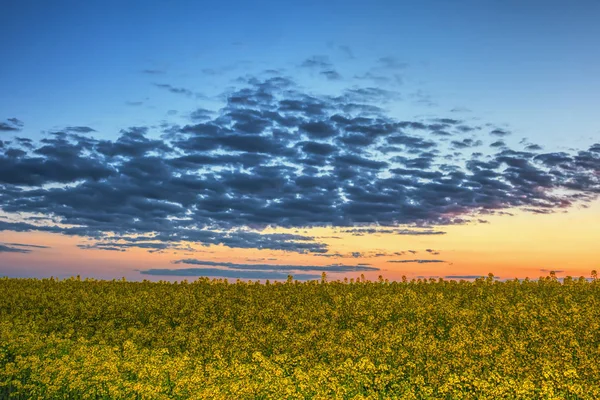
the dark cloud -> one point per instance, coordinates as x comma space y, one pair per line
460, 110
499, 132
133, 142
11, 125
8, 249
466, 143
370, 231
227, 273
201, 114
331, 255
557, 271
447, 121
533, 147
35, 246
56, 161
123, 246
332, 75
275, 267
379, 79
463, 276
79, 129
275, 155
234, 239
153, 71
366, 94
318, 129
419, 261
173, 89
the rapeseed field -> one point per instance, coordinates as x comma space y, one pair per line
213, 339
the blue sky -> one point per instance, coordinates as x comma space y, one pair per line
350, 114
531, 64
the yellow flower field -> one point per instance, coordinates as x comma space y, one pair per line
213, 339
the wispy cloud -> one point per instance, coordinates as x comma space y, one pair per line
463, 276
320, 62
175, 90
11, 125
332, 75
371, 231
392, 63
279, 267
226, 273
277, 155
8, 249
34, 246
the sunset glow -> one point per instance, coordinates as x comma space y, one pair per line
255, 141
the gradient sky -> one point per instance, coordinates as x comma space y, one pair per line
257, 139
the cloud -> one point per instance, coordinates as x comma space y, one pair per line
79, 129
173, 89
55, 161
370, 231
8, 249
226, 273
353, 254
533, 147
320, 62
379, 79
35, 246
277, 155
392, 63
173, 234
11, 125
419, 261
275, 267
464, 276
201, 114
466, 143
115, 246
460, 110
332, 75
500, 132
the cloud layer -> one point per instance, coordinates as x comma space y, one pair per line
280, 156
226, 273
279, 267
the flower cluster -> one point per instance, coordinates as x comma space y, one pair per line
210, 339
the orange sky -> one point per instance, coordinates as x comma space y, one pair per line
508, 246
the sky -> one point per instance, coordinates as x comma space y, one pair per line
169, 140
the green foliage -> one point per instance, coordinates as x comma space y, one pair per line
420, 339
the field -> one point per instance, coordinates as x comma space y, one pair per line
210, 339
